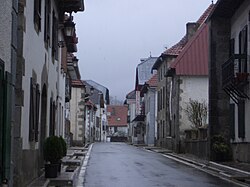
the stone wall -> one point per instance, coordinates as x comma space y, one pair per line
218, 99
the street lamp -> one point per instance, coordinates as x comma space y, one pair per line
69, 27
75, 61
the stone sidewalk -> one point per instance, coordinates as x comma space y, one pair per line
235, 172
72, 172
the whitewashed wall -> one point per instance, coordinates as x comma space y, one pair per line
74, 112
195, 88
36, 57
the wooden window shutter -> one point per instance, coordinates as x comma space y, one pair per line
37, 13
231, 47
241, 119
51, 133
37, 112
232, 121
55, 37
47, 27
31, 115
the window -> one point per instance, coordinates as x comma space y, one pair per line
163, 97
47, 21
158, 99
52, 117
34, 110
55, 37
231, 47
232, 121
37, 15
241, 119
243, 49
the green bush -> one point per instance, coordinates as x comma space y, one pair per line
53, 150
64, 146
220, 148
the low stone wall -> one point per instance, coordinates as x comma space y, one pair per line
198, 148
241, 151
196, 142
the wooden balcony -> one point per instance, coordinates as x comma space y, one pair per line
235, 77
72, 5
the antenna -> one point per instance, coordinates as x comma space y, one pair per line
150, 53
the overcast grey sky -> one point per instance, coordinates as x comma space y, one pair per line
115, 34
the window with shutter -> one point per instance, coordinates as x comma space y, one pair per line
52, 117
232, 121
31, 115
37, 15
243, 49
47, 14
231, 47
241, 119
34, 110
55, 37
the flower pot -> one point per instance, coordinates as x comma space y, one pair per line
51, 170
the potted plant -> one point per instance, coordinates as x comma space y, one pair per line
64, 146
52, 155
64, 151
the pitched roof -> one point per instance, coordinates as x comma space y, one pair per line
117, 115
98, 88
193, 59
143, 71
77, 83
177, 48
131, 95
153, 81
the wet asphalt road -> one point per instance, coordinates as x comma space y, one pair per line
122, 165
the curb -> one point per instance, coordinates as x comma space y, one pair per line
209, 167
81, 176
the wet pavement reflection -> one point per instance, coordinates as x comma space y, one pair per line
122, 165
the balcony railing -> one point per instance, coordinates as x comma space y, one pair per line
235, 77
72, 5
233, 69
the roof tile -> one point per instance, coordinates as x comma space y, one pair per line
177, 48
117, 115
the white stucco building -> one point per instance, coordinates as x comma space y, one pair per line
43, 44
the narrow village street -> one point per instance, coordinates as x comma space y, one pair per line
126, 93
119, 164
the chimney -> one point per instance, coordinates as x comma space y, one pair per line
191, 28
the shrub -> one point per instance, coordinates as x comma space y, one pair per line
220, 148
196, 113
53, 149
64, 146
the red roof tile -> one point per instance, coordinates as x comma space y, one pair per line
193, 60
117, 115
177, 48
205, 15
77, 83
153, 81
